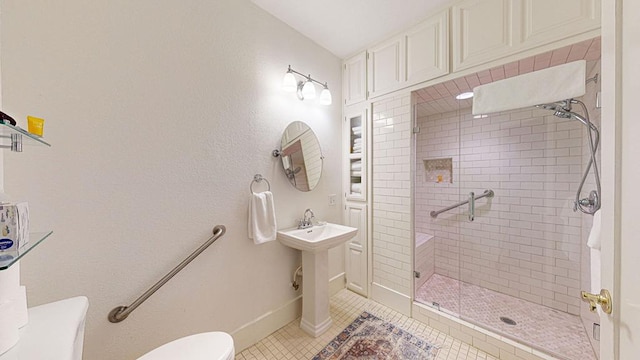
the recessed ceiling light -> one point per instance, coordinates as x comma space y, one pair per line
464, 95
480, 116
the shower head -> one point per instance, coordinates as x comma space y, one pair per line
562, 109
563, 114
562, 106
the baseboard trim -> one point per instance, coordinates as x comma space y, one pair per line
251, 333
337, 283
391, 298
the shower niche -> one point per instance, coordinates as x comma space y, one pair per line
518, 268
438, 170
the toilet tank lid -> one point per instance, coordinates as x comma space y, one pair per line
210, 346
62, 318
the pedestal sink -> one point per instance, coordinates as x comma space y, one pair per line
315, 243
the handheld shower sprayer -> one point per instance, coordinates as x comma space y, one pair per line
562, 109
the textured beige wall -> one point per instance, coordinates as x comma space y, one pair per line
160, 113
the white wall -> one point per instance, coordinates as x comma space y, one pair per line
159, 113
392, 263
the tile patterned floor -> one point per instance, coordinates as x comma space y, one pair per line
290, 342
549, 330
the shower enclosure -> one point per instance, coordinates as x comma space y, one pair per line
513, 257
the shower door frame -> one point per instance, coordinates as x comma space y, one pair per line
620, 244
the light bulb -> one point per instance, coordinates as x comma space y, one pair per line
308, 90
289, 82
464, 95
325, 97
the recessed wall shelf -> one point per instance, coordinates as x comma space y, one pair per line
438, 170
356, 155
18, 137
9, 258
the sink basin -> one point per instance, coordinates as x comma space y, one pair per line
316, 238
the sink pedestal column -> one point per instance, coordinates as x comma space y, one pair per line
315, 292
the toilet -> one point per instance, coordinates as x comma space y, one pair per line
203, 346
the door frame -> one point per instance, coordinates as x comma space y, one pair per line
620, 92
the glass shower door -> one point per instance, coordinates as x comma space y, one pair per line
436, 188
521, 256
513, 263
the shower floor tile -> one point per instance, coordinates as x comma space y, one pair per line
552, 331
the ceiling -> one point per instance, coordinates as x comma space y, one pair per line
347, 26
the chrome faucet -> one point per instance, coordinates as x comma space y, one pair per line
306, 222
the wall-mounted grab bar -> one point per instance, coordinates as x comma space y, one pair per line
121, 312
472, 206
470, 201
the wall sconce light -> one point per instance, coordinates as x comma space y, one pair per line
305, 89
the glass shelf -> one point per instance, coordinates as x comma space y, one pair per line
18, 134
8, 258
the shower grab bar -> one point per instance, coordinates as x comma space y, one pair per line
472, 206
470, 201
120, 313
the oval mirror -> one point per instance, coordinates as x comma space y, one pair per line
301, 156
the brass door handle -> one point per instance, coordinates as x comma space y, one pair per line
603, 299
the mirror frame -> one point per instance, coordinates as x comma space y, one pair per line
301, 156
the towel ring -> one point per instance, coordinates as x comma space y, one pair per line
256, 179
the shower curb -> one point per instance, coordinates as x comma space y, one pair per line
487, 341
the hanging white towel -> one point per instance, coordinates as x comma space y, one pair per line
594, 243
539, 87
262, 217
594, 236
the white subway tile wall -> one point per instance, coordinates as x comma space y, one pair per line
526, 241
392, 193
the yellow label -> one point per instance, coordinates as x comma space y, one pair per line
35, 125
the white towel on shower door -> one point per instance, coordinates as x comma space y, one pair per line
262, 218
594, 243
594, 236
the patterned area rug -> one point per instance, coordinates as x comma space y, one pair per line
370, 338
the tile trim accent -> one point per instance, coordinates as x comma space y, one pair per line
485, 340
391, 299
